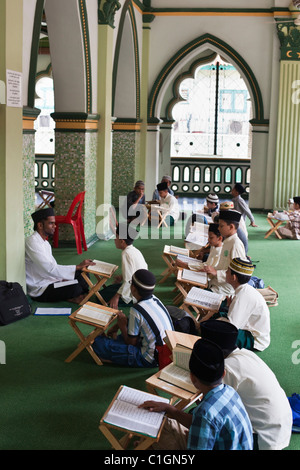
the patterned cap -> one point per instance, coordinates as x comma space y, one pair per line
242, 266
144, 279
212, 198
226, 205
139, 183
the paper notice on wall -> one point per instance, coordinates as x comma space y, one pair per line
14, 89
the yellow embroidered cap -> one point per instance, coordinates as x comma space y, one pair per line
242, 266
226, 205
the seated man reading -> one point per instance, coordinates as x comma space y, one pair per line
292, 229
134, 206
42, 270
148, 320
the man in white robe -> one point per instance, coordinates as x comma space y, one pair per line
265, 401
42, 270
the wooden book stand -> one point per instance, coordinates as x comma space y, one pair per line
86, 341
101, 278
144, 441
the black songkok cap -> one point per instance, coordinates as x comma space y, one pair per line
42, 214
223, 333
162, 186
231, 215
207, 361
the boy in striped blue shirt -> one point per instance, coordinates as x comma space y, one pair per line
219, 422
141, 332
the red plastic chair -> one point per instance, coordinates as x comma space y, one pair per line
74, 220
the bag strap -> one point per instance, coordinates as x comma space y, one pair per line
151, 323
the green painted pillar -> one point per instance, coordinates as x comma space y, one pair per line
12, 256
287, 165
106, 16
144, 100
75, 169
125, 149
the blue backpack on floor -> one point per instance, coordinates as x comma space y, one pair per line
256, 282
295, 405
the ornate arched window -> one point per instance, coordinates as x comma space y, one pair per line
44, 124
212, 113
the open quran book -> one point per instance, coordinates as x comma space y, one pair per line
176, 250
198, 234
124, 413
204, 298
193, 263
278, 215
178, 372
192, 276
175, 338
95, 314
103, 268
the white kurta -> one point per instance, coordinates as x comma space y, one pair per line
249, 311
41, 267
214, 256
232, 248
171, 204
264, 399
132, 260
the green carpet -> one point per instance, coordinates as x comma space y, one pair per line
49, 404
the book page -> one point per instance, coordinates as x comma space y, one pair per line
194, 276
177, 376
189, 259
178, 250
204, 298
197, 239
102, 267
137, 397
125, 413
181, 357
94, 314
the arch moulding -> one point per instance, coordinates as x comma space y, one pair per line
191, 51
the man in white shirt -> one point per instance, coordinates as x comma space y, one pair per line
119, 293
42, 270
248, 310
232, 248
265, 401
168, 203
